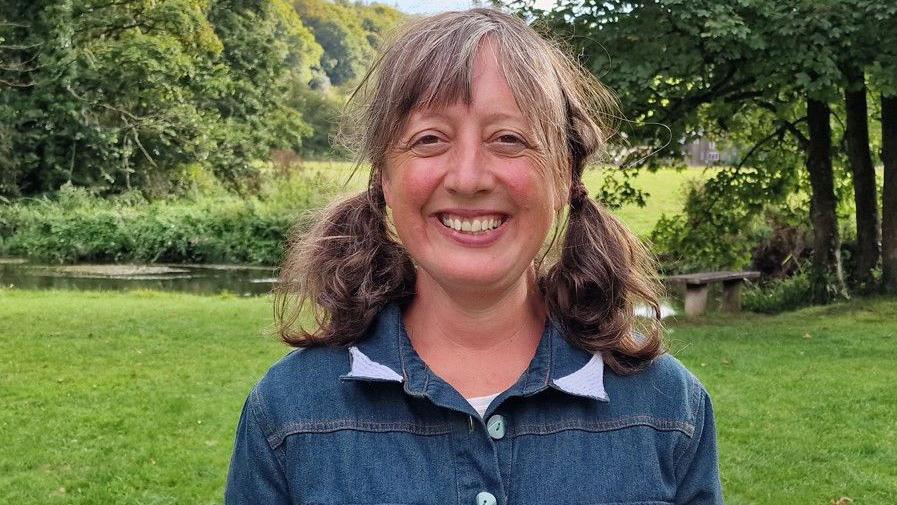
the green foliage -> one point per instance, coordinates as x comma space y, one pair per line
121, 95
349, 33
778, 295
117, 95
743, 71
322, 110
337, 28
724, 219
268, 51
376, 21
667, 58
80, 226
617, 190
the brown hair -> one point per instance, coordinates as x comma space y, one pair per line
350, 264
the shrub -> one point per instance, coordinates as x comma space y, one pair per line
778, 295
77, 226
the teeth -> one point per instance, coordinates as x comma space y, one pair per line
471, 225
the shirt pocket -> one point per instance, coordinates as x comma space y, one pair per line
626, 461
351, 462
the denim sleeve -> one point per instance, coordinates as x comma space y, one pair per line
255, 475
698, 467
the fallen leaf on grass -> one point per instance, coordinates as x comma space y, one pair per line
808, 337
842, 501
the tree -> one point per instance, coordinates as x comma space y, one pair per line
336, 28
104, 90
376, 21
696, 66
339, 28
826, 242
267, 51
889, 192
863, 173
883, 76
115, 94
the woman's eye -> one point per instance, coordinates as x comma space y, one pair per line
510, 139
427, 140
509, 144
429, 144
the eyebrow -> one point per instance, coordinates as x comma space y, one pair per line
498, 116
431, 114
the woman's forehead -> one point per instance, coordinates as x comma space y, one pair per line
488, 94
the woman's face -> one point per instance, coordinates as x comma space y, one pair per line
467, 199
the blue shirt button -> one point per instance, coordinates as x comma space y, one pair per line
496, 427
484, 498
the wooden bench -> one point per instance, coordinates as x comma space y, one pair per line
698, 284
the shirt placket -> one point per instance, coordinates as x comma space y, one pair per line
480, 450
474, 453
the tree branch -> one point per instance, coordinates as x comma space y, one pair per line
17, 84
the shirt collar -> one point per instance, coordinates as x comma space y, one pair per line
386, 355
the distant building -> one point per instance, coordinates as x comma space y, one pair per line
704, 152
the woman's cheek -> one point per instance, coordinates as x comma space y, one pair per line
421, 181
526, 185
411, 180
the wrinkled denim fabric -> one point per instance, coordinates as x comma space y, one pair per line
372, 424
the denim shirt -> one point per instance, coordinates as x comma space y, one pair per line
372, 424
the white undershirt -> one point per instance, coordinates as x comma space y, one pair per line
481, 403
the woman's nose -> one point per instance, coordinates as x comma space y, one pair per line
468, 171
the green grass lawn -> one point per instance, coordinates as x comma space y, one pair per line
133, 398
665, 189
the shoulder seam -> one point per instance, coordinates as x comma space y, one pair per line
258, 411
696, 399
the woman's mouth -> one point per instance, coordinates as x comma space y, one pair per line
472, 225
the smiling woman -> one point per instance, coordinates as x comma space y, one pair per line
460, 355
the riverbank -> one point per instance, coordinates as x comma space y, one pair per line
134, 397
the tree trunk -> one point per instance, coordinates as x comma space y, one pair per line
827, 277
889, 194
863, 174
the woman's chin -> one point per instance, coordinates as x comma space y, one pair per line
475, 278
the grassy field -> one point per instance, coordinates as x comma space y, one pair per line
133, 398
664, 187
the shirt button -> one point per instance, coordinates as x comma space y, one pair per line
496, 427
484, 498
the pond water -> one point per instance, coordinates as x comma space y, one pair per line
198, 279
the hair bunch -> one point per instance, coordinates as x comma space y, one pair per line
591, 291
346, 268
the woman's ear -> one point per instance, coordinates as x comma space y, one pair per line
560, 200
559, 203
386, 185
